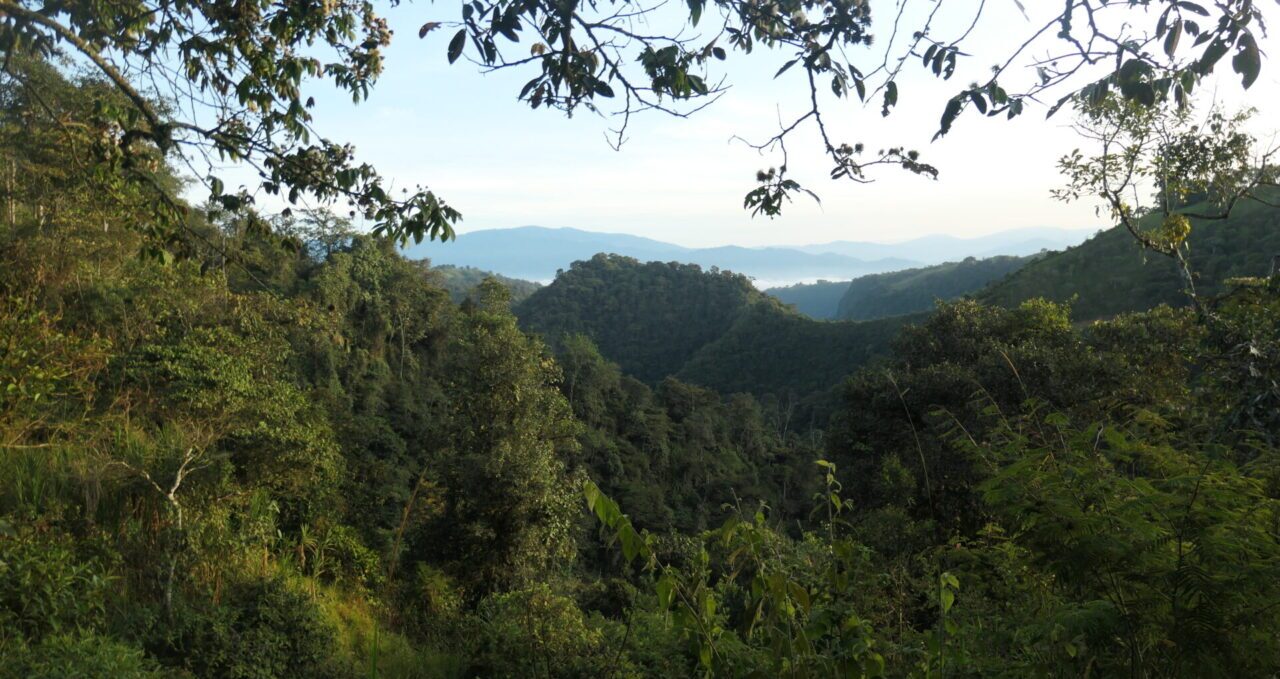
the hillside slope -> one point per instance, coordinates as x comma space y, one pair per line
711, 328
461, 281
1110, 274
770, 349
915, 290
818, 300
648, 318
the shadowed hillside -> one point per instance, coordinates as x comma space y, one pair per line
710, 328
649, 318
1110, 274
916, 290
815, 300
462, 281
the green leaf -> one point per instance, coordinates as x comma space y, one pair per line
978, 101
456, 44
890, 97
1247, 61
695, 10
1171, 39
666, 589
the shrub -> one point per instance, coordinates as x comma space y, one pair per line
87, 656
45, 589
263, 629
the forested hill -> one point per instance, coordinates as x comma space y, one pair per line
815, 300
463, 281
708, 327
1111, 274
772, 350
649, 318
916, 290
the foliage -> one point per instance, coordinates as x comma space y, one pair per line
769, 350
1169, 545
507, 513
535, 631
1195, 168
89, 656
817, 300
708, 328
649, 318
677, 455
1088, 275
916, 290
199, 82
626, 59
297, 457
462, 282
46, 590
262, 629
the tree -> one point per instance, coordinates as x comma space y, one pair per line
624, 58
1157, 169
211, 81
507, 510
200, 81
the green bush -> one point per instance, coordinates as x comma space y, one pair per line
537, 632
45, 589
81, 656
262, 630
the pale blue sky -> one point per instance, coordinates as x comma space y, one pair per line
464, 135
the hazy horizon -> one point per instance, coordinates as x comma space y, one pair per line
463, 134
1084, 232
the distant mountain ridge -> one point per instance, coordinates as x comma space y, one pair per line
895, 293
940, 248
716, 330
536, 253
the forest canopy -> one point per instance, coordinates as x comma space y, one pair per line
243, 444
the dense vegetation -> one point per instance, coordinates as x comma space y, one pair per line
710, 328
649, 318
915, 290
1090, 275
816, 300
463, 282
236, 445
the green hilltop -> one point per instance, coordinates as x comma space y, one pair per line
711, 328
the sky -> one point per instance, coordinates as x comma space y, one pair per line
464, 134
